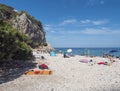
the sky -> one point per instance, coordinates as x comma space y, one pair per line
75, 23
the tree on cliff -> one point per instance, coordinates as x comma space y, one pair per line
13, 44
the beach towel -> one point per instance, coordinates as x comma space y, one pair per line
39, 72
84, 61
102, 62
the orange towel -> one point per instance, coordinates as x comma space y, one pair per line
39, 72
46, 72
29, 72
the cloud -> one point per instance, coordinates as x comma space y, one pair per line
68, 21
100, 22
55, 29
77, 27
94, 31
50, 28
95, 2
101, 31
85, 21
47, 27
97, 22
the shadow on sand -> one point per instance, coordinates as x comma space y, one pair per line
12, 70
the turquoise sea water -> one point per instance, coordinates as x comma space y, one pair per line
91, 51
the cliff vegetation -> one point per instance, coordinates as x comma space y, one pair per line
24, 23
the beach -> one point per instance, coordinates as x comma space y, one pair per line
69, 75
60, 45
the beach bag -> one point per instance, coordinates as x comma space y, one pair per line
43, 66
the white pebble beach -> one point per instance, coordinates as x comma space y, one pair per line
69, 75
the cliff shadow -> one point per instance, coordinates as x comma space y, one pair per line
13, 70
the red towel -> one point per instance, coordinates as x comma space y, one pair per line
101, 62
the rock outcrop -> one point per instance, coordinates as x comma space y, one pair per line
25, 23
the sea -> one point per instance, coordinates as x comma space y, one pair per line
91, 51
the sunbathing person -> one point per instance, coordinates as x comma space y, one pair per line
65, 55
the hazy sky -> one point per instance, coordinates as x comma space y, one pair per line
75, 23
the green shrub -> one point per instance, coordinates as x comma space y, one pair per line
13, 44
23, 52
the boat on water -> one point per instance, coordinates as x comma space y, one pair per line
113, 51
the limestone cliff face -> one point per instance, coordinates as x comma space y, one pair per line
32, 29
24, 23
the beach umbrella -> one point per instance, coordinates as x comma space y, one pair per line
69, 50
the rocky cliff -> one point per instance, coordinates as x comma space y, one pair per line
24, 23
